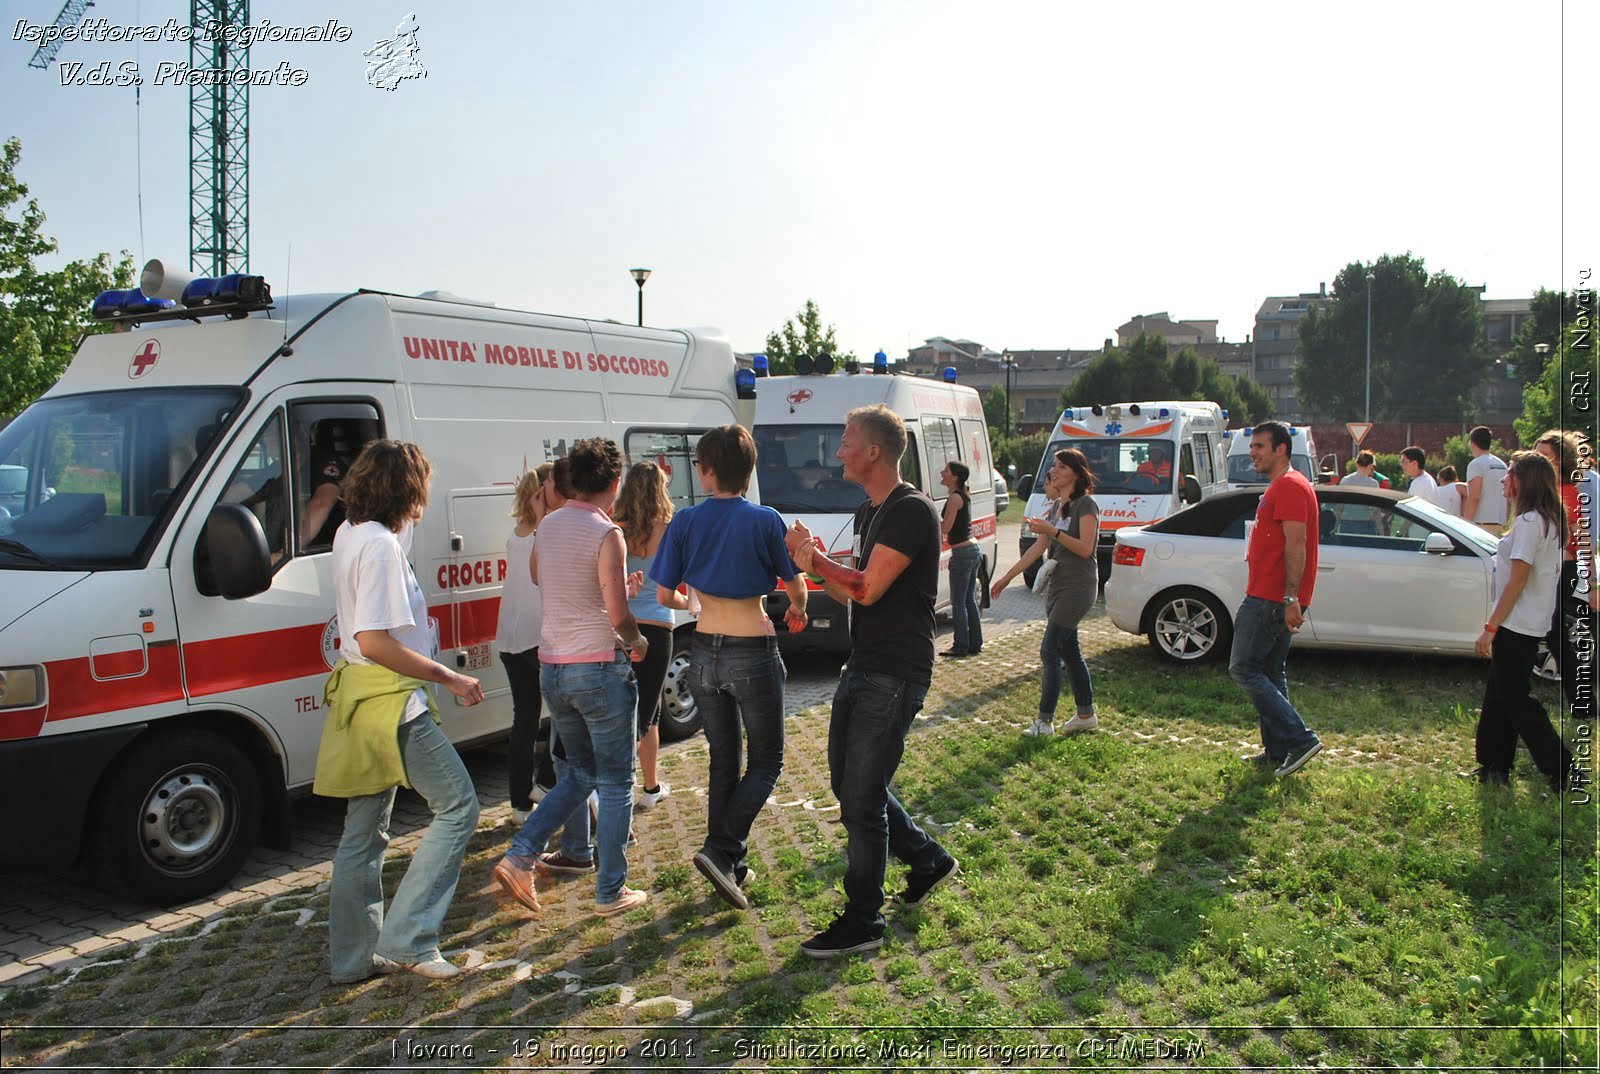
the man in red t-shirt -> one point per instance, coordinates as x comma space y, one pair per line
1282, 555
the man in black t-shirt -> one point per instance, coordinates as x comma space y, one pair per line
891, 593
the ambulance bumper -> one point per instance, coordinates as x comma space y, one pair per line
46, 788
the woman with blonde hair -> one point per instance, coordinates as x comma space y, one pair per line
643, 510
381, 729
517, 641
1526, 567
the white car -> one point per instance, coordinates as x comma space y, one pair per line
1393, 572
1002, 494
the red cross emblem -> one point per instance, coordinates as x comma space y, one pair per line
799, 395
144, 359
666, 467
977, 452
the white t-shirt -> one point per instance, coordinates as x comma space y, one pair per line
1532, 541
374, 588
1490, 469
521, 606
1425, 487
1448, 497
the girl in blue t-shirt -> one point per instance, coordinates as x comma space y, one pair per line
730, 551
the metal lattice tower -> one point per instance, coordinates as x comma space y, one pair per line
219, 141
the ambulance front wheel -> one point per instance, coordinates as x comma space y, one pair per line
179, 816
680, 715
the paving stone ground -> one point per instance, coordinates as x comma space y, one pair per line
57, 922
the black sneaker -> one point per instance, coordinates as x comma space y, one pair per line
1265, 759
918, 888
722, 880
1489, 776
843, 938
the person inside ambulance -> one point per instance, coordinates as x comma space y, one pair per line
1157, 466
809, 473
334, 445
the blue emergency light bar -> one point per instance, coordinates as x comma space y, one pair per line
760, 364
110, 305
234, 295
744, 383
949, 374
880, 363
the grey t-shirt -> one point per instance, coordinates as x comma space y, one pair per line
1074, 580
1491, 496
1360, 479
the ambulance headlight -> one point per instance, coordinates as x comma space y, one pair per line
744, 383
226, 290
949, 374
21, 687
108, 304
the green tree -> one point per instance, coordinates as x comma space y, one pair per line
1564, 395
802, 334
1145, 370
1427, 345
41, 313
1543, 326
996, 414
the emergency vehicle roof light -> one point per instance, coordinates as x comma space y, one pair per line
113, 304
824, 364
949, 374
1294, 432
1224, 415
803, 364
744, 383
880, 363
232, 289
1097, 410
1248, 429
852, 366
1165, 413
760, 364
1134, 409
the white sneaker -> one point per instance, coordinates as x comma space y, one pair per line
519, 817
1041, 727
1080, 723
647, 799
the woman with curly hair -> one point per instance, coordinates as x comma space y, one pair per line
382, 731
643, 510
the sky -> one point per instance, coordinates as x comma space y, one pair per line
1026, 175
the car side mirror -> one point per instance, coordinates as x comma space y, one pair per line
1025, 486
1191, 489
232, 559
1438, 543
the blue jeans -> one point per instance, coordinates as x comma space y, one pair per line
1258, 663
737, 684
1060, 650
866, 738
964, 562
357, 926
594, 708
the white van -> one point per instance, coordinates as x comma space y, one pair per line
166, 618
799, 421
1148, 460
1302, 456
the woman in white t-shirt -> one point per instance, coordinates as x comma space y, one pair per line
517, 641
1526, 569
1451, 493
381, 729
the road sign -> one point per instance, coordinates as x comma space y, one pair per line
1358, 430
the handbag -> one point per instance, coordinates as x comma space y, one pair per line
1042, 580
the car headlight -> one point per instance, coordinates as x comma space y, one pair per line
22, 687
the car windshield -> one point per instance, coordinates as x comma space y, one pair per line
1120, 466
1458, 526
89, 480
1241, 471
798, 469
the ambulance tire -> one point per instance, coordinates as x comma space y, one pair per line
680, 715
178, 816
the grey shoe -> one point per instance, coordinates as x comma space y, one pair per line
1298, 761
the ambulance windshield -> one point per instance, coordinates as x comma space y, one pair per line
1241, 471
1121, 467
88, 481
798, 470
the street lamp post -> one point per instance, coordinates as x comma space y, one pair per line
1010, 363
1366, 415
639, 276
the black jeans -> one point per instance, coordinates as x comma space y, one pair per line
738, 685
651, 672
529, 748
1509, 711
866, 739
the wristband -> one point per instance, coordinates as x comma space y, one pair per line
1491, 629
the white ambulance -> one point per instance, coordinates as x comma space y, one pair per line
1148, 460
166, 607
1302, 457
799, 421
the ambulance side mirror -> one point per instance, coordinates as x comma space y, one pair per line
232, 560
1190, 493
1024, 486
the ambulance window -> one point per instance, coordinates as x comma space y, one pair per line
674, 453
908, 462
258, 484
1185, 460
943, 447
326, 438
1202, 459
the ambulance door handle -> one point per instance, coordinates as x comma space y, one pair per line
455, 542
461, 658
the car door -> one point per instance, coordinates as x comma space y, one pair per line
1377, 588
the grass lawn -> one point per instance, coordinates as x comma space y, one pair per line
1134, 897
